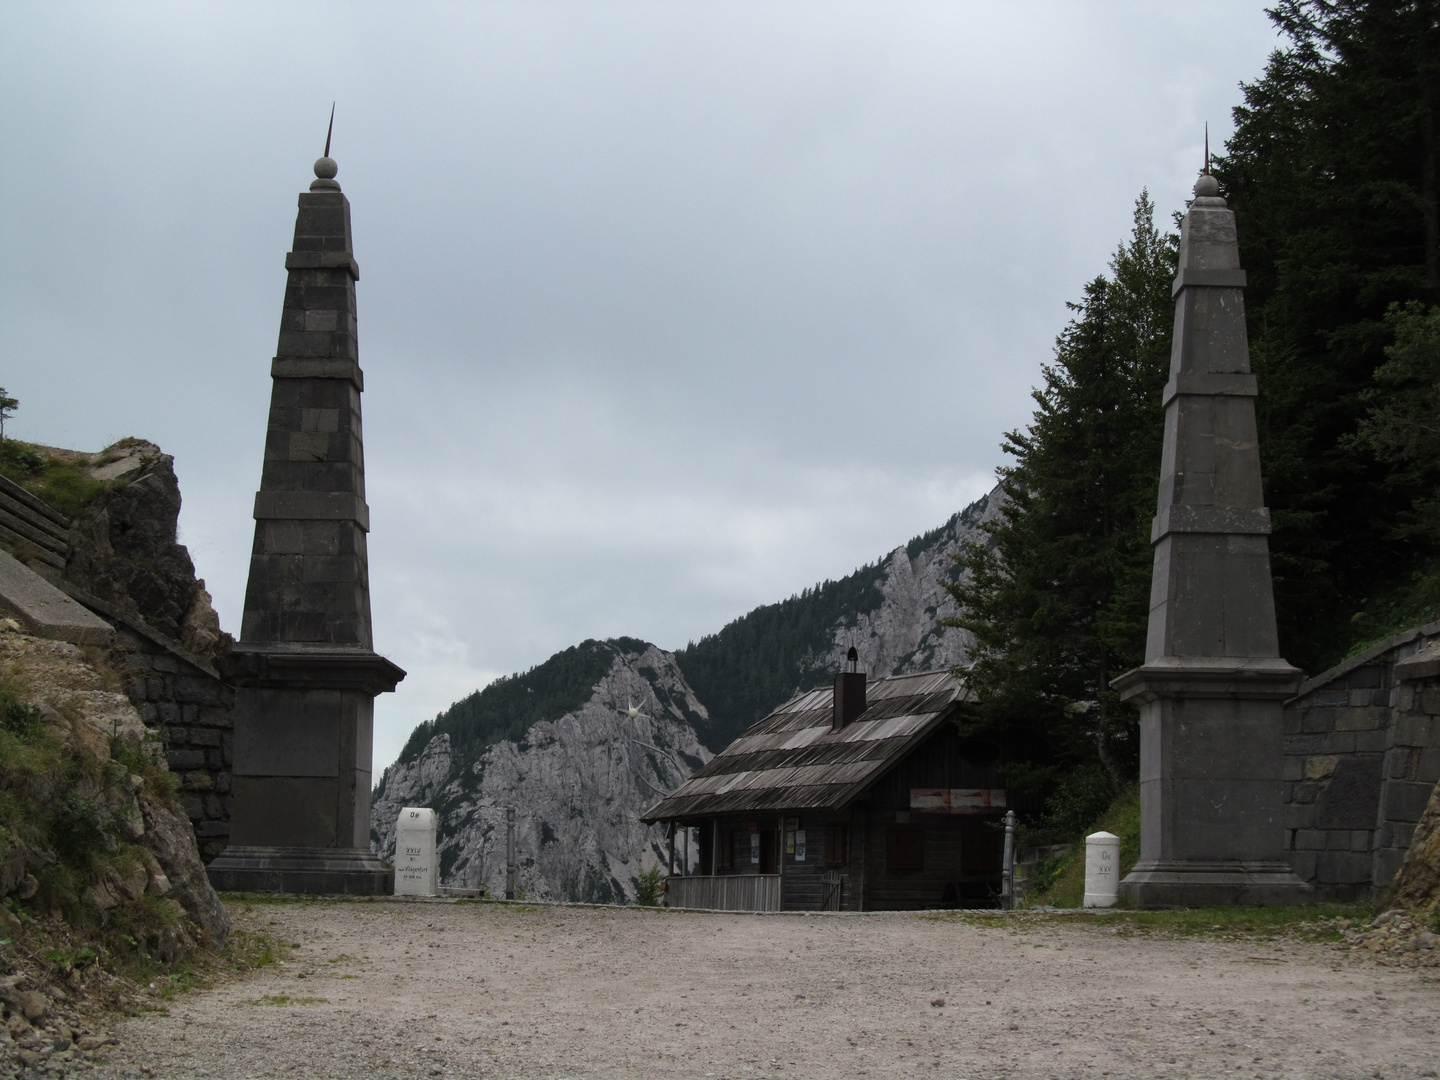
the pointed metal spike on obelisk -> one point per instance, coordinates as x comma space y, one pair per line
325, 167
1205, 170
331, 130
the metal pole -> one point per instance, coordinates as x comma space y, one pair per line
1007, 868
510, 853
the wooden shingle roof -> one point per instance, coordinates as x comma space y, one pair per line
791, 760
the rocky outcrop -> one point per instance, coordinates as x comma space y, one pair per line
1418, 882
579, 783
903, 634
121, 559
80, 750
124, 546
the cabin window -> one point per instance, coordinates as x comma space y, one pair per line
835, 845
726, 853
904, 851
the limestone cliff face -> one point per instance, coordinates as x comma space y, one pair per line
579, 782
903, 633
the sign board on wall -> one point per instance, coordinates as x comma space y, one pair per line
754, 845
956, 800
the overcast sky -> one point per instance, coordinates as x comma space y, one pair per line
666, 309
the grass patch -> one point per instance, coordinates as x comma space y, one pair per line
1061, 882
1315, 922
64, 484
247, 950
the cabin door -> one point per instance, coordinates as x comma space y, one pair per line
769, 849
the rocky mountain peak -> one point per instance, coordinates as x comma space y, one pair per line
579, 782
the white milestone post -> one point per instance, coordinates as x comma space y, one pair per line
1102, 869
416, 871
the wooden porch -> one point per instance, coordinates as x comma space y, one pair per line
724, 892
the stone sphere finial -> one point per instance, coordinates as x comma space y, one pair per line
1207, 187
325, 168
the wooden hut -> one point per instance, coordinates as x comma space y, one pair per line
857, 798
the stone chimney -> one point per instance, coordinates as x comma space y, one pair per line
1210, 691
304, 667
849, 692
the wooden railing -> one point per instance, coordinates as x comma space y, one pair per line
727, 892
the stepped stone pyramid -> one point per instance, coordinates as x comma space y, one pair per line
305, 667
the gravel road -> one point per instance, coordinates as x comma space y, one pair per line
416, 989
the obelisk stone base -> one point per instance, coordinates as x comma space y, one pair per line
1214, 884
301, 776
322, 871
1211, 783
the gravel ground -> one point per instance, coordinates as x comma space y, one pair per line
393, 989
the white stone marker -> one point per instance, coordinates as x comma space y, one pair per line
1102, 869
416, 872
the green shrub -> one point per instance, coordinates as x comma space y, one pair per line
19, 461
1079, 799
649, 887
160, 783
1061, 882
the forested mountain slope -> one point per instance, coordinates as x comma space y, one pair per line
889, 610
582, 743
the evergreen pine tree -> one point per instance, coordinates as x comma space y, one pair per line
1332, 176
1057, 596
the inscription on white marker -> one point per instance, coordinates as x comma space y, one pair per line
416, 871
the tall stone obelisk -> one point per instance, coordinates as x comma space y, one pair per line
1211, 688
306, 672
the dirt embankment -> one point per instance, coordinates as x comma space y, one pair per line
389, 989
101, 884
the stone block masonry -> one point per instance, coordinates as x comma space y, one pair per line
44, 610
182, 697
1211, 689
1362, 756
304, 669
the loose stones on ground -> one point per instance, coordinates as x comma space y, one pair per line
1398, 938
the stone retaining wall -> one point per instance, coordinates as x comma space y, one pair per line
1362, 754
181, 696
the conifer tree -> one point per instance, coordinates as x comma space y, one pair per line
1057, 595
1331, 173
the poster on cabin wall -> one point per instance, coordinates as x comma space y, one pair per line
799, 845
942, 801
755, 845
